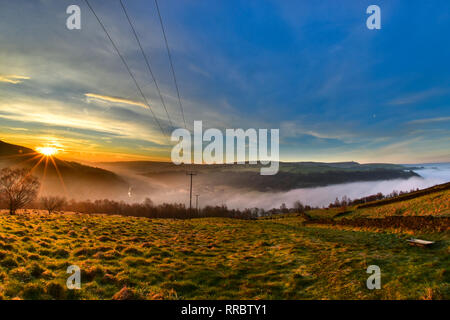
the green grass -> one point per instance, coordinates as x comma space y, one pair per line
212, 258
436, 204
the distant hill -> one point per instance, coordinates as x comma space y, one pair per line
8, 150
291, 175
147, 178
80, 181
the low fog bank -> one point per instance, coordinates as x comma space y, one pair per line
178, 191
438, 172
323, 196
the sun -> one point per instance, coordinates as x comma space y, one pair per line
47, 151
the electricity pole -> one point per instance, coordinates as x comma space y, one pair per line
190, 173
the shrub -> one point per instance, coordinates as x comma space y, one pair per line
52, 203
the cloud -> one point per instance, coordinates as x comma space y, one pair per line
294, 129
417, 97
115, 99
198, 70
253, 83
429, 120
47, 112
19, 129
14, 79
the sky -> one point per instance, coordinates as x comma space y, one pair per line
336, 90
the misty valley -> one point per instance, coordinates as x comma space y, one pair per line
237, 186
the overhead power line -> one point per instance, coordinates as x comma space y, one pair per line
126, 66
146, 61
170, 60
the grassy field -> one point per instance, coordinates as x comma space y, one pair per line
215, 258
436, 204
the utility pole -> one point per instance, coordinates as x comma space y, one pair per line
190, 173
196, 202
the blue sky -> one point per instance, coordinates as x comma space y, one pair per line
336, 90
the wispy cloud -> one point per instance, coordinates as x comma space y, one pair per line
417, 97
429, 120
18, 129
294, 129
46, 112
14, 79
115, 99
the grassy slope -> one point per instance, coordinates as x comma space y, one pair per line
213, 258
435, 203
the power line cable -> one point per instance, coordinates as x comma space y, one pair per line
126, 66
146, 60
171, 63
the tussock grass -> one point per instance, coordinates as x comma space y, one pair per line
217, 258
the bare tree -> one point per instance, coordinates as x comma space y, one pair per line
52, 203
298, 206
301, 209
18, 187
148, 203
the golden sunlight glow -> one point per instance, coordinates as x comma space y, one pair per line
47, 151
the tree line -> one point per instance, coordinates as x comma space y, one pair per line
346, 201
19, 189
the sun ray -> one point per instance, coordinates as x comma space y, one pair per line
30, 159
67, 163
12, 156
33, 168
44, 176
59, 176
22, 157
37, 164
